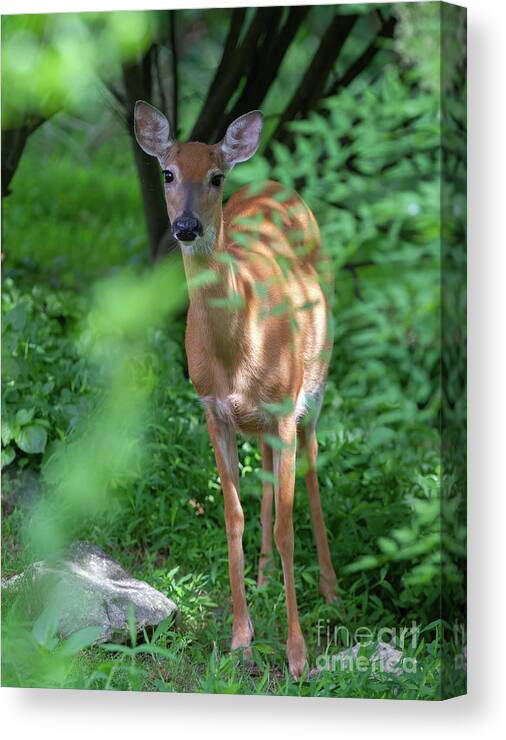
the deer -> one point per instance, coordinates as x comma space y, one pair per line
258, 341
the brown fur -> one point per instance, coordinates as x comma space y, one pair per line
274, 346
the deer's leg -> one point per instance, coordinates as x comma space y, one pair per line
266, 516
284, 471
309, 448
223, 438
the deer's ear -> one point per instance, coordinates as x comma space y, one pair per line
242, 138
152, 129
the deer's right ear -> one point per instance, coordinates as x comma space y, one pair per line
152, 130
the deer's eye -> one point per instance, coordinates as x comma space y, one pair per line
168, 175
216, 180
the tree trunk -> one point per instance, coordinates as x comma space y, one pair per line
386, 31
313, 83
138, 81
265, 65
235, 63
13, 144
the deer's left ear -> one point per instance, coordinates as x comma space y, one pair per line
242, 138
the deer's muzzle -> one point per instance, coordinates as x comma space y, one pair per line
187, 228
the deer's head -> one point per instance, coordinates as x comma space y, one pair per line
194, 172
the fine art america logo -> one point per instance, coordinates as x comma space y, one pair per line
390, 650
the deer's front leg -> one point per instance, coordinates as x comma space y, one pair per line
223, 438
284, 472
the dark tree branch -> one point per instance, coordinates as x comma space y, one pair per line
313, 83
364, 60
13, 144
352, 268
236, 25
159, 81
266, 64
146, 69
356, 284
357, 265
230, 70
175, 72
138, 81
231, 44
117, 94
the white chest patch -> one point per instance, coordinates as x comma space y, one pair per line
237, 411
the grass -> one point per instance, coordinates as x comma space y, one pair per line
163, 519
195, 656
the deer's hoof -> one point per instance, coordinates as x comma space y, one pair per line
328, 590
297, 657
242, 637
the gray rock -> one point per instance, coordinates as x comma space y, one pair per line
90, 589
384, 659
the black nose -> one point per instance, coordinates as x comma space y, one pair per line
186, 228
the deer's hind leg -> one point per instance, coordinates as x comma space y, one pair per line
284, 472
309, 449
265, 560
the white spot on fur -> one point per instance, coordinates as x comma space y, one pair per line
301, 404
309, 404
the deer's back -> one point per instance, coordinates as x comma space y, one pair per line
273, 218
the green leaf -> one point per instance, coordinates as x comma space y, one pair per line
275, 442
162, 628
80, 640
235, 302
308, 577
381, 436
44, 628
205, 277
125, 649
7, 431
364, 563
279, 309
226, 259
264, 649
283, 408
17, 317
31, 439
24, 416
387, 546
132, 625
266, 476
8, 455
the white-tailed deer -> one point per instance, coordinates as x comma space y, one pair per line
257, 339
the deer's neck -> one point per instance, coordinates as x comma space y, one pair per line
214, 286
208, 275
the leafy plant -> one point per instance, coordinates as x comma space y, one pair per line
46, 385
97, 403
